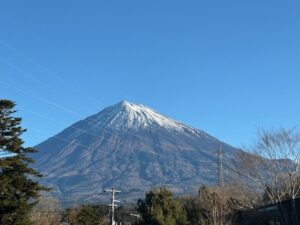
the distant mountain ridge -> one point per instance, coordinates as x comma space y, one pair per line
132, 147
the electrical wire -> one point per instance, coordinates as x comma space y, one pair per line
33, 62
84, 130
41, 98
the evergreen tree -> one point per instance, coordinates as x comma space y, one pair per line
19, 188
161, 208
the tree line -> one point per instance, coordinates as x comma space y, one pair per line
210, 206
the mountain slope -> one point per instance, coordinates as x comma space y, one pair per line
132, 147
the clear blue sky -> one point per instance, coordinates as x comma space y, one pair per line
226, 67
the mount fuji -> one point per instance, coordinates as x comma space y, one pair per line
133, 148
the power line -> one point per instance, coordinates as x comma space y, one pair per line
71, 112
49, 102
67, 110
52, 75
69, 141
106, 130
33, 62
45, 85
36, 96
220, 164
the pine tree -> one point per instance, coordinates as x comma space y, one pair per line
19, 188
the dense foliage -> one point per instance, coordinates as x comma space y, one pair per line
161, 208
86, 215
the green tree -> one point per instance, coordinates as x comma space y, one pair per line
86, 215
19, 188
161, 208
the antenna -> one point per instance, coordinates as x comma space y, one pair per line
113, 205
220, 167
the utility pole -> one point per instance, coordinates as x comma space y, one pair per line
113, 205
221, 179
220, 167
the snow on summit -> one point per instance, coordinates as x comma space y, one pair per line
136, 116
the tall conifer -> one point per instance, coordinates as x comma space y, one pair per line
19, 188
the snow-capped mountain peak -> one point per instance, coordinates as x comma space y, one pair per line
140, 116
131, 146
136, 116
